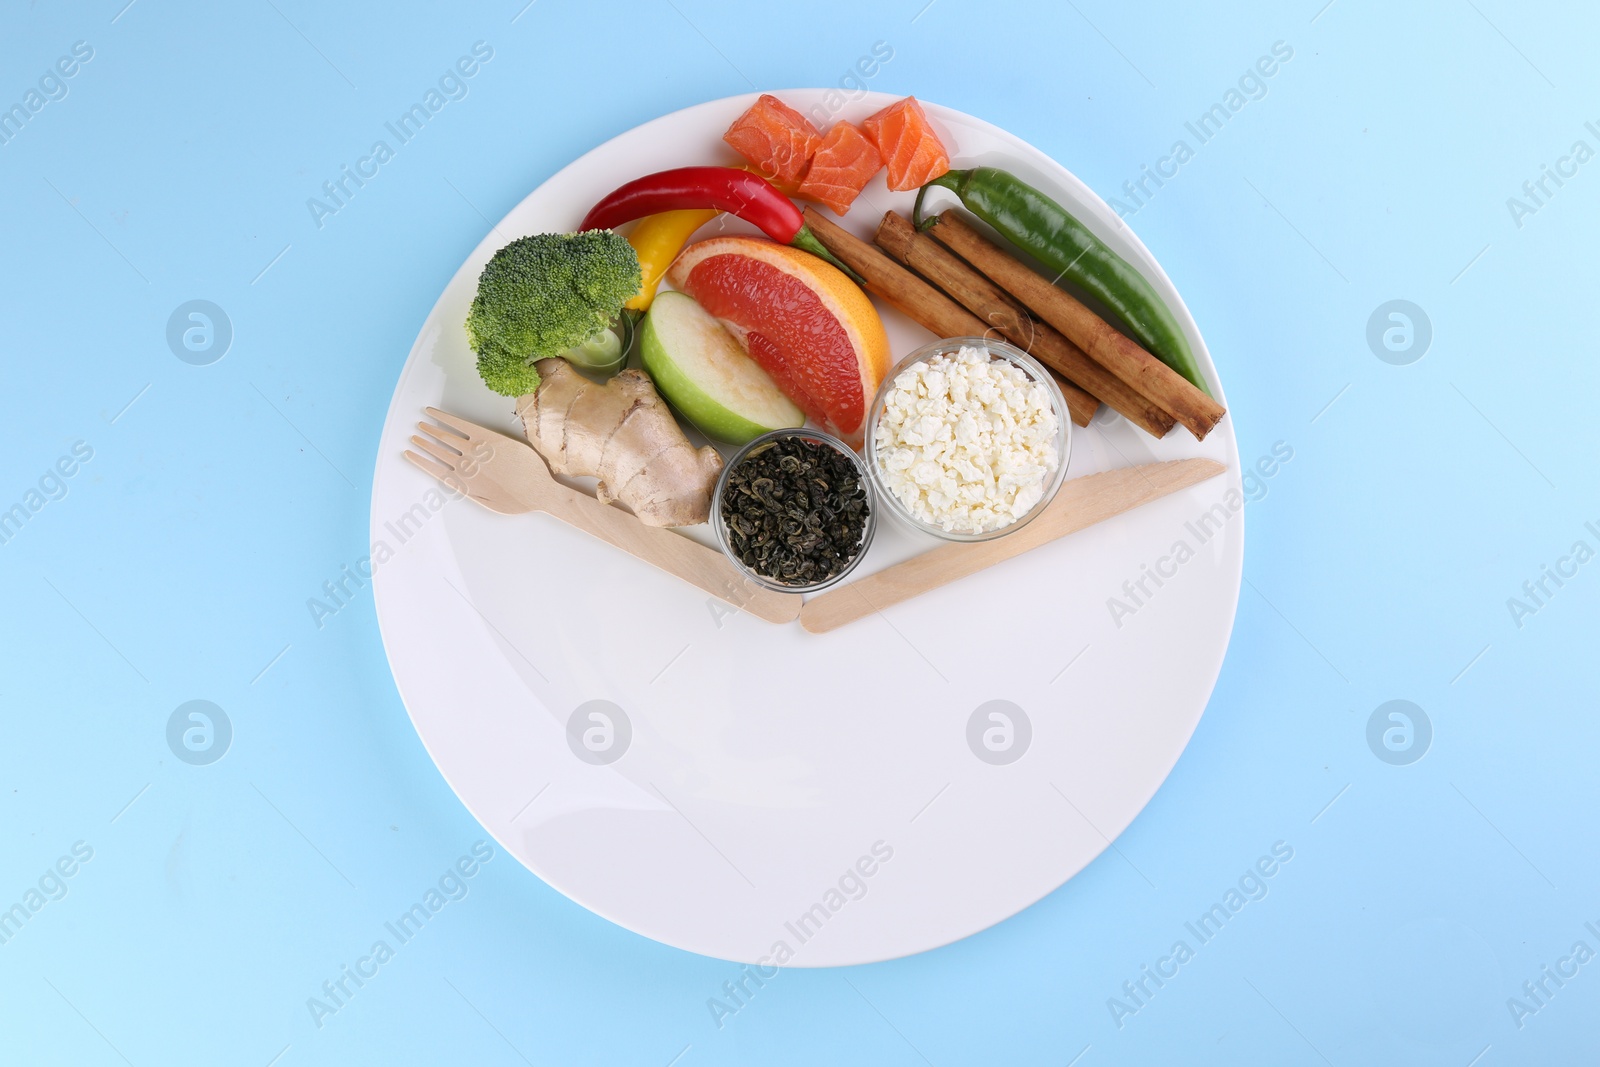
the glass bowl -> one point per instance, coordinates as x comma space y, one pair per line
827, 441
998, 350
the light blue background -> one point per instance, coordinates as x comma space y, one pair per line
178, 565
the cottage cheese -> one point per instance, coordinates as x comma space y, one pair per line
966, 442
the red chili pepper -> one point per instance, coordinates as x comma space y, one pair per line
749, 196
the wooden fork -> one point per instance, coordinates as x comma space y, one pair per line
508, 476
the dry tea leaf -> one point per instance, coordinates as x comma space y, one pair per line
795, 511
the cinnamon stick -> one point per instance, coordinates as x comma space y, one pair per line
919, 301
1119, 354
1014, 322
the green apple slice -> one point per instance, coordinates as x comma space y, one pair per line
707, 375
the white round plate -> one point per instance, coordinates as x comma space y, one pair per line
776, 796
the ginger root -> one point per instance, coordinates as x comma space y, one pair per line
624, 434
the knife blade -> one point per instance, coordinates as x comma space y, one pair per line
1080, 502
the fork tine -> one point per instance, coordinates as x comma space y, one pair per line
456, 422
447, 449
439, 452
446, 436
438, 470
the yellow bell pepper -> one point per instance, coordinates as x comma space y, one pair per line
657, 239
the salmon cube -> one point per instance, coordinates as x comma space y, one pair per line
775, 138
841, 168
910, 149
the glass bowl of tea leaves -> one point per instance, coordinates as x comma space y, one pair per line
794, 510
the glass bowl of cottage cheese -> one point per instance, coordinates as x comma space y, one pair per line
967, 439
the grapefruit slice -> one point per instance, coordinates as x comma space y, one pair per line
906, 141
807, 325
843, 165
775, 138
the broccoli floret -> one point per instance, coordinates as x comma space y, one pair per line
541, 295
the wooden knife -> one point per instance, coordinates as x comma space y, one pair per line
1079, 503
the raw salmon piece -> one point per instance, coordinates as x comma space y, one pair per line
841, 168
906, 141
776, 138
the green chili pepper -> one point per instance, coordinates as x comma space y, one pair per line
1043, 228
